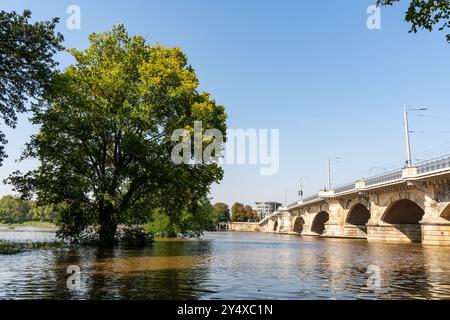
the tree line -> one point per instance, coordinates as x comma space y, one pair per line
15, 210
238, 213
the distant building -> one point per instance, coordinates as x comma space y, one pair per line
266, 208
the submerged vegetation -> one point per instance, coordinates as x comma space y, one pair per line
13, 247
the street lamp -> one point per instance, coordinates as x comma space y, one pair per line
300, 192
407, 132
329, 170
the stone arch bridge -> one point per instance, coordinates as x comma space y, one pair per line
405, 205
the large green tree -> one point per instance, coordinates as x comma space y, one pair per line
243, 213
105, 136
426, 14
222, 212
26, 64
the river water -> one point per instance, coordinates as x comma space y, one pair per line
231, 265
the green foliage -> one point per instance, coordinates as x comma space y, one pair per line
14, 210
243, 213
11, 247
26, 63
135, 237
159, 224
222, 212
199, 217
426, 14
104, 143
8, 247
191, 222
46, 212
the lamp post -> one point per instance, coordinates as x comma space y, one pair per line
329, 170
407, 132
300, 192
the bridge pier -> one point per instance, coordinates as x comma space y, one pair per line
435, 225
306, 230
436, 234
286, 224
339, 230
333, 230
355, 231
394, 233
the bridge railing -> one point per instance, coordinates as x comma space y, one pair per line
384, 177
344, 188
430, 165
310, 198
433, 164
293, 204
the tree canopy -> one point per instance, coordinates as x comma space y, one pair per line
426, 14
222, 212
26, 64
243, 213
104, 143
191, 222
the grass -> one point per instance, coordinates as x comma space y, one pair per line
45, 224
9, 247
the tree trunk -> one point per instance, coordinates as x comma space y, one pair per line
107, 231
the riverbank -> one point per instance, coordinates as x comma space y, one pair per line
36, 226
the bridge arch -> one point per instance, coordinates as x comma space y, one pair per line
275, 226
318, 224
404, 216
412, 196
298, 225
403, 211
358, 216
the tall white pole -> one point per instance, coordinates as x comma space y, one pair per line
329, 174
301, 188
408, 146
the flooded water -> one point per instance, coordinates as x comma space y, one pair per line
230, 265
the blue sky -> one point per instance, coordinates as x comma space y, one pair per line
309, 68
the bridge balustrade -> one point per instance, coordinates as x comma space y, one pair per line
344, 188
442, 162
385, 177
433, 164
310, 198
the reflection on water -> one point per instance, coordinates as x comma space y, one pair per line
233, 266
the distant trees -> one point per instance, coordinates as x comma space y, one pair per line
222, 212
49, 212
16, 210
243, 213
